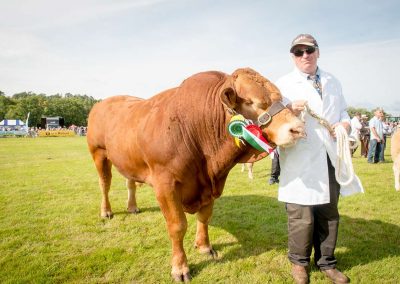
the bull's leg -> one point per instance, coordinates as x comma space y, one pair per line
250, 169
103, 166
171, 207
132, 206
396, 171
202, 240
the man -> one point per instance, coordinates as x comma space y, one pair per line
308, 185
364, 136
376, 138
355, 130
386, 132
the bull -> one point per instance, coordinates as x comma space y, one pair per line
178, 143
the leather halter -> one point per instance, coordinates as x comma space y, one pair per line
266, 117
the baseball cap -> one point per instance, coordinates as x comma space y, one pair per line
303, 39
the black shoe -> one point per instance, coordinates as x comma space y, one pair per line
273, 181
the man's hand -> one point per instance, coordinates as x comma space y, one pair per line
297, 106
345, 125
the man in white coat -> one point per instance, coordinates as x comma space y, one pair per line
355, 130
308, 185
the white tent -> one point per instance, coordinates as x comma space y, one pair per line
12, 122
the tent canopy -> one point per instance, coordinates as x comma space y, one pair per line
12, 122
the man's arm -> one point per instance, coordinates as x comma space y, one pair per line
375, 133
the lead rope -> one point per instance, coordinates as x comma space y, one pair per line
342, 149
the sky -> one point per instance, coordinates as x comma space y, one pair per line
103, 48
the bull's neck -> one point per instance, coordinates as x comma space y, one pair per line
216, 144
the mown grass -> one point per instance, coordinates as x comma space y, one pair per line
50, 230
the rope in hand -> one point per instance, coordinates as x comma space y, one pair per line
342, 149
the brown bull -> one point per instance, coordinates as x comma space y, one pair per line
177, 142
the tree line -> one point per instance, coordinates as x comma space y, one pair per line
73, 108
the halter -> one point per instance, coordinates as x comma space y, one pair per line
243, 129
265, 117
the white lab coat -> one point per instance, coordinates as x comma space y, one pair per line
304, 171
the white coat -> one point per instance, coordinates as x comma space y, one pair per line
304, 171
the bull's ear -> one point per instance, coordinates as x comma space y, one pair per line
228, 97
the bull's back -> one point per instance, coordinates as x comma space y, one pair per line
395, 145
104, 116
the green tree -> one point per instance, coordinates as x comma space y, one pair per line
5, 103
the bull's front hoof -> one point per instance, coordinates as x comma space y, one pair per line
182, 277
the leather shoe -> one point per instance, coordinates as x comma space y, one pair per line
300, 274
273, 180
336, 276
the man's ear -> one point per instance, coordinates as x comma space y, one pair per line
228, 97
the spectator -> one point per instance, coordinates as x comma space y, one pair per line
355, 130
275, 169
376, 138
364, 136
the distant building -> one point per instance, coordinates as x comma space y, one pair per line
52, 122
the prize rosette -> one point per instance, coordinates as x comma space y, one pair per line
242, 129
253, 135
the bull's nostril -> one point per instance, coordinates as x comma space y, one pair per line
298, 131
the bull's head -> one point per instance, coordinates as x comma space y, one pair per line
256, 98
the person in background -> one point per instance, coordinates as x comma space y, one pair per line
386, 132
355, 130
364, 136
275, 169
307, 183
376, 138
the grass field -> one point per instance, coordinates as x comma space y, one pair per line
50, 230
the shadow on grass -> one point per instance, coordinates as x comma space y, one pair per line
366, 241
142, 210
259, 224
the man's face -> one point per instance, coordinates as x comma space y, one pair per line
379, 113
306, 63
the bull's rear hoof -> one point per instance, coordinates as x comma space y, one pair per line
107, 215
182, 277
213, 253
209, 251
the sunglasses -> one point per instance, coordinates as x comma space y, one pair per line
300, 52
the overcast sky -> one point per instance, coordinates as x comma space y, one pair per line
103, 48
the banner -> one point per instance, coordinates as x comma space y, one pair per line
55, 133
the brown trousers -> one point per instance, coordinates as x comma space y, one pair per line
315, 227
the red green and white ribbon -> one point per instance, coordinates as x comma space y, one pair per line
242, 129
253, 135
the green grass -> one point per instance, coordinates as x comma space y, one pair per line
50, 230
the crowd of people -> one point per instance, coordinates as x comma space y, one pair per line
79, 130
371, 135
